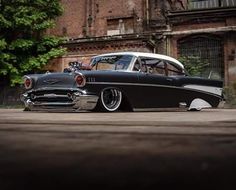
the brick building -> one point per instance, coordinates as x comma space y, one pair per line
202, 28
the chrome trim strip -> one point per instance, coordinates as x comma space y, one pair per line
52, 104
153, 85
80, 102
128, 84
51, 96
51, 88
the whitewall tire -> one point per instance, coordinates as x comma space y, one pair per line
111, 99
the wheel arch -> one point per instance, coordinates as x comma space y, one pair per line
125, 104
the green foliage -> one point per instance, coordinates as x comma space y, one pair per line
24, 47
230, 95
21, 44
194, 65
3, 44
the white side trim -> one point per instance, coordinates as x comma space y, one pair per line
210, 89
198, 104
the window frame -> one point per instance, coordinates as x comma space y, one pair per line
179, 71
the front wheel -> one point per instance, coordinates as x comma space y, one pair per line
110, 99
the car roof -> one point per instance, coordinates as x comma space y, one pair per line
143, 54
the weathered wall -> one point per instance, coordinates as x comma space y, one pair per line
71, 23
220, 27
84, 52
83, 18
230, 57
99, 18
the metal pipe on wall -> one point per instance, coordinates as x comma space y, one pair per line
147, 12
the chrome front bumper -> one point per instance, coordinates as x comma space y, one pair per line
78, 102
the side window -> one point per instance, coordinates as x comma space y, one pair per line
136, 65
143, 66
173, 70
159, 67
105, 66
153, 66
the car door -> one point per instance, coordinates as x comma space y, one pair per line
157, 86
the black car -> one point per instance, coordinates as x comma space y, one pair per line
126, 81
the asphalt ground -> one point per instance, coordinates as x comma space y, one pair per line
137, 150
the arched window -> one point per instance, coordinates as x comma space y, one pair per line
207, 49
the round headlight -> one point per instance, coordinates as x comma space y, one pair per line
80, 80
28, 82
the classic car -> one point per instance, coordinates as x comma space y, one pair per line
126, 81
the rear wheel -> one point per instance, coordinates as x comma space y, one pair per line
110, 99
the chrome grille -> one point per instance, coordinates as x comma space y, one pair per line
52, 96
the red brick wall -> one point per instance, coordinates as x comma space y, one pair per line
191, 26
74, 24
113, 9
76, 14
228, 42
72, 19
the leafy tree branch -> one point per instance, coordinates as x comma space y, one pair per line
24, 47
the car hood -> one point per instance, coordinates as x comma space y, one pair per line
55, 80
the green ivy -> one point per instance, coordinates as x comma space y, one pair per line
230, 95
194, 65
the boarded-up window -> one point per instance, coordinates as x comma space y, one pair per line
120, 26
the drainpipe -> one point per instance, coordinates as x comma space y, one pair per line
147, 12
167, 45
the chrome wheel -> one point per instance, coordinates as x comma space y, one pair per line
111, 99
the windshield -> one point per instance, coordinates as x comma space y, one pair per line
112, 62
